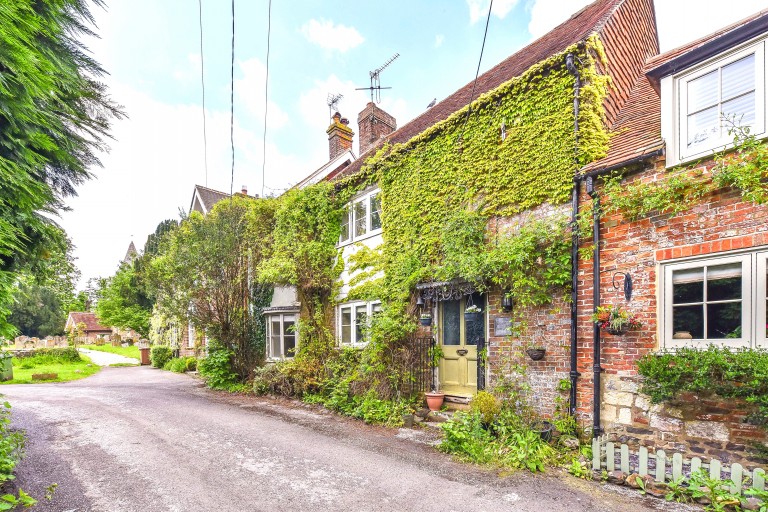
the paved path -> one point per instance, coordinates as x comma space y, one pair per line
107, 358
140, 439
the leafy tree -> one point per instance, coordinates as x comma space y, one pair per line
122, 301
54, 118
37, 311
205, 275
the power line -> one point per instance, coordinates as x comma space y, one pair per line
477, 73
202, 83
232, 105
266, 102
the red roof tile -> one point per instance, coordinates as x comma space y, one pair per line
89, 319
577, 28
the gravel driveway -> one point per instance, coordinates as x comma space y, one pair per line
140, 439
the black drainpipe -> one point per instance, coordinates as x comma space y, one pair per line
574, 374
596, 368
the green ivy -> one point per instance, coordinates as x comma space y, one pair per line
741, 373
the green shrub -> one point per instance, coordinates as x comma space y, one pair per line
487, 405
191, 364
49, 356
217, 370
176, 365
159, 355
11, 444
741, 373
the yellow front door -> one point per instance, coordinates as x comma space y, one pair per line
458, 368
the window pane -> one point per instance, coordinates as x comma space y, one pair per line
688, 319
346, 325
724, 282
473, 331
360, 323
703, 126
345, 228
702, 92
740, 111
290, 345
688, 286
738, 77
275, 338
376, 309
361, 226
724, 320
375, 208
451, 322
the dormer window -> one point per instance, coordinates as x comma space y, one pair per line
711, 100
362, 218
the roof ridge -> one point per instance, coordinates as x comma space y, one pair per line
212, 189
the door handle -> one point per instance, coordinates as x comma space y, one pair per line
462, 351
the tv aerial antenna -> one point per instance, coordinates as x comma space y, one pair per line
333, 102
376, 87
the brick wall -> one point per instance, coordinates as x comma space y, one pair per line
373, 124
696, 425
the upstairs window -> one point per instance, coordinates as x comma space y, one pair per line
713, 99
362, 218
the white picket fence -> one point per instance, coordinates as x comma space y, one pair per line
644, 462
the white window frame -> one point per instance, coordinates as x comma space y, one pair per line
754, 264
370, 308
282, 316
351, 218
674, 103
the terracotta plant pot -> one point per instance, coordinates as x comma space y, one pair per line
435, 400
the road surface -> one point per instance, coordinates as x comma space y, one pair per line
141, 439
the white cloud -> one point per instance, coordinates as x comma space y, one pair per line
326, 35
250, 92
683, 21
191, 71
439, 38
547, 14
478, 9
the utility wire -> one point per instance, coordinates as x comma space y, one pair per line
202, 83
266, 102
477, 73
232, 105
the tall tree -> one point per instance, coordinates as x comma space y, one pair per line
37, 311
207, 274
54, 119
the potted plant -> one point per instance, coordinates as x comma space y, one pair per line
435, 397
473, 314
615, 319
425, 319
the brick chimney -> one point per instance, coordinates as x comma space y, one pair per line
339, 136
374, 124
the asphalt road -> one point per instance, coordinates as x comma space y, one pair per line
140, 439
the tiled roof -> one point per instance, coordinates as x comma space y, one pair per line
577, 28
90, 321
637, 130
658, 61
208, 197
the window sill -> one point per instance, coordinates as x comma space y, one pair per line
366, 236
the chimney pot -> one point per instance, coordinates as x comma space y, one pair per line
339, 136
244, 190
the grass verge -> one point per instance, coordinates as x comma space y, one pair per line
132, 351
65, 370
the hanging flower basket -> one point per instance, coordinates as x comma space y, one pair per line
537, 354
615, 320
473, 314
425, 320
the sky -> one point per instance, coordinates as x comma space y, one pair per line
152, 52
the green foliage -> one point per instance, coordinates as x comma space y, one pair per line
181, 364
741, 373
51, 356
745, 168
216, 368
54, 120
159, 355
761, 495
486, 405
37, 311
206, 263
716, 491
580, 469
11, 444
677, 192
123, 302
